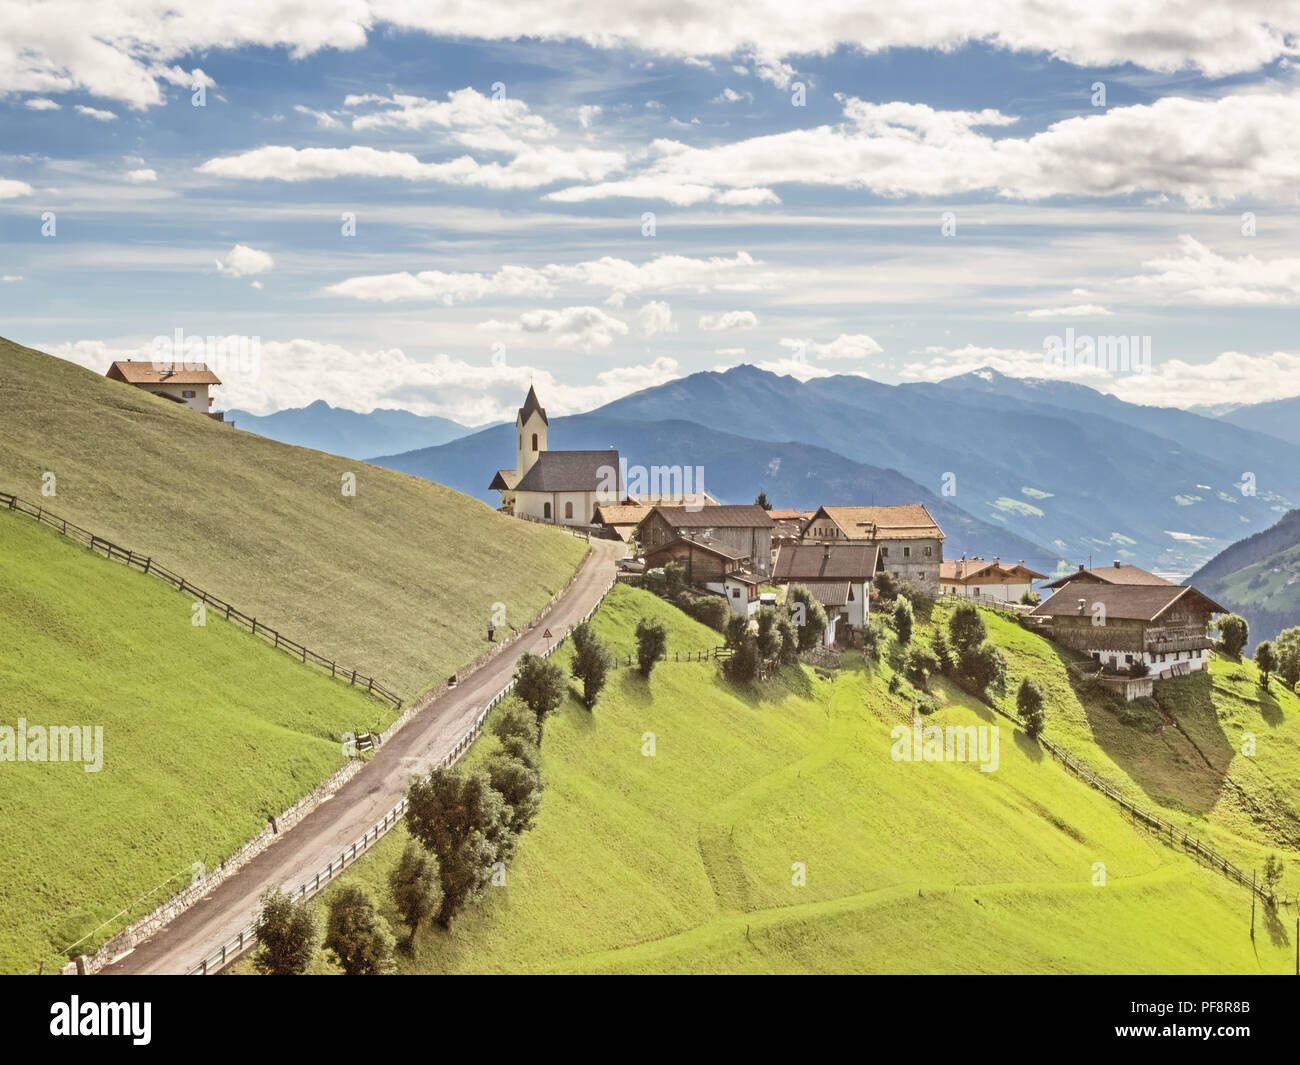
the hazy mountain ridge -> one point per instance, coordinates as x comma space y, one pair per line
339, 431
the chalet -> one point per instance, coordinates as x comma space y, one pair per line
559, 487
746, 530
185, 383
975, 578
789, 525
910, 540
839, 577
715, 567
1162, 626
619, 521
1115, 573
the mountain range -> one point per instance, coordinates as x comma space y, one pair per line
1259, 578
347, 432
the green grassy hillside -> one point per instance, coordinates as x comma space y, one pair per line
683, 861
207, 731
399, 580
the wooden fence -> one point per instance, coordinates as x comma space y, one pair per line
148, 566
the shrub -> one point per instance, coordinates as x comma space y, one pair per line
358, 936
1030, 598
769, 640
540, 684
807, 615
651, 644
921, 666
1138, 668
737, 629
942, 652
903, 620
674, 578
289, 933
709, 610
966, 629
873, 635
1265, 661
742, 666
894, 683
789, 653
1029, 704
514, 719
983, 668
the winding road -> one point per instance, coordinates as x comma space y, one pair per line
301, 851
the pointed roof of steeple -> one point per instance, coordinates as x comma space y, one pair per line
531, 404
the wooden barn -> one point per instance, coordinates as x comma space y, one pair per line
743, 530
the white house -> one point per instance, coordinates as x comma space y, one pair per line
559, 487
185, 383
975, 578
839, 577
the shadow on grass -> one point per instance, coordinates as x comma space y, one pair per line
1274, 927
1269, 708
1030, 748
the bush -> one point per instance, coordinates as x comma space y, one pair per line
894, 683
1265, 661
789, 653
942, 652
651, 644
1029, 704
1234, 634
966, 629
709, 610
873, 635
742, 666
769, 640
903, 620
1138, 668
674, 578
516, 720
921, 666
925, 705
289, 933
416, 887
1030, 598
737, 629
983, 668
807, 615
358, 936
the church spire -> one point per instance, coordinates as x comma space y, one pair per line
531, 403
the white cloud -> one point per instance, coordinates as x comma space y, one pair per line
582, 328
243, 261
664, 273
1078, 310
1201, 275
9, 278
728, 320
40, 103
731, 96
96, 113
587, 114
466, 113
656, 317
10, 190
323, 118
1202, 151
141, 177
844, 346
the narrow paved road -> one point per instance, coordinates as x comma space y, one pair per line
321, 836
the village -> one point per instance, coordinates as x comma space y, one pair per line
1136, 626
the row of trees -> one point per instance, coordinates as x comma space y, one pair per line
1280, 657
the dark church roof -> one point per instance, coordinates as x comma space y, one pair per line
531, 404
572, 471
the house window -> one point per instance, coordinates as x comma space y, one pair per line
534, 441
735, 593
1128, 660
928, 550
907, 552
568, 510
188, 393
884, 552
546, 510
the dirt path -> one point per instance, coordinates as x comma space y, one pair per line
323, 834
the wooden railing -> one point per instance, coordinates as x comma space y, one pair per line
148, 566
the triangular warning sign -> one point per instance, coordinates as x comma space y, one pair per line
547, 634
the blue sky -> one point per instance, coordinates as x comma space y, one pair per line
799, 166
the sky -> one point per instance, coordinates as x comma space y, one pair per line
431, 206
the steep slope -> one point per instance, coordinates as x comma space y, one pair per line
206, 732
397, 579
736, 469
348, 432
685, 861
1259, 578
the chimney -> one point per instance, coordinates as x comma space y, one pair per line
996, 560
1083, 606
1080, 567
1116, 563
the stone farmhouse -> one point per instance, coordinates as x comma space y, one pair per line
974, 578
557, 487
745, 530
910, 540
838, 575
188, 384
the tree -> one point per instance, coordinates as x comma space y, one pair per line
983, 668
1234, 634
1286, 648
742, 666
921, 665
520, 785
873, 635
789, 652
1030, 598
651, 644
592, 665
1265, 660
674, 579
580, 636
710, 610
737, 630
966, 628
769, 639
808, 616
289, 933
465, 822
762, 501
1274, 867
1029, 704
515, 720
942, 652
540, 684
416, 886
360, 939
903, 620
1138, 668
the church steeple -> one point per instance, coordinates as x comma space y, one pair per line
531, 425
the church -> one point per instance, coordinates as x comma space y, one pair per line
558, 487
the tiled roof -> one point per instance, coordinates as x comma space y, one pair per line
162, 373
1112, 574
810, 562
1128, 602
719, 550
669, 499
569, 471
829, 593
719, 517
505, 479
968, 569
909, 521
620, 514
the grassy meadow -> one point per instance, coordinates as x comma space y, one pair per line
684, 861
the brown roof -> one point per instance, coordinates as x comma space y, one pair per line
1129, 602
814, 562
744, 578
909, 521
620, 514
789, 515
829, 593
1112, 574
668, 499
714, 517
505, 479
966, 569
711, 548
162, 373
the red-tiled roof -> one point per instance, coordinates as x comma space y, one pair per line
162, 373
